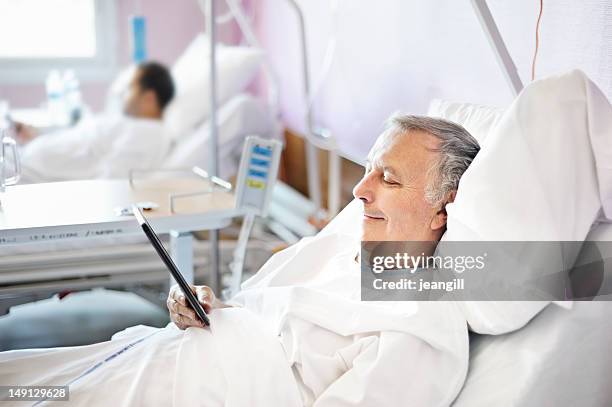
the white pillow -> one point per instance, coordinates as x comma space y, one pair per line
477, 119
236, 67
535, 179
242, 115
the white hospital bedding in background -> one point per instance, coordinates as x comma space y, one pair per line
239, 117
236, 66
242, 115
106, 147
99, 147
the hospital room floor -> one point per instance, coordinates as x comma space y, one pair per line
78, 319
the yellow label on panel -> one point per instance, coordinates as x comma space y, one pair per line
256, 184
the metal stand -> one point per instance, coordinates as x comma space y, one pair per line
312, 159
181, 250
499, 47
212, 152
334, 188
237, 265
215, 271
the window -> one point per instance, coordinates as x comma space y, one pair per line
40, 35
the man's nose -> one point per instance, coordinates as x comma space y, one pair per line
363, 190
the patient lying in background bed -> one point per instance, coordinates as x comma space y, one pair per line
109, 145
298, 333
106, 145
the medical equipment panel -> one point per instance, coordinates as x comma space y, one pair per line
257, 174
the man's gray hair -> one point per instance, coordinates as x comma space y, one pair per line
457, 150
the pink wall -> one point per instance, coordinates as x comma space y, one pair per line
390, 54
171, 25
397, 55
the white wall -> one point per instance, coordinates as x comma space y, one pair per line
399, 54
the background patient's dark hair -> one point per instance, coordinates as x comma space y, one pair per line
156, 77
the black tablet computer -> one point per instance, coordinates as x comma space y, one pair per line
172, 268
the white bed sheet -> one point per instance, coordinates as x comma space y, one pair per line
229, 364
561, 357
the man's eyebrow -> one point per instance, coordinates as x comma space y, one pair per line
388, 168
384, 167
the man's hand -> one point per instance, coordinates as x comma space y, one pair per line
182, 314
24, 133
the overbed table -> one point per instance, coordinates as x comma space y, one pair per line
73, 210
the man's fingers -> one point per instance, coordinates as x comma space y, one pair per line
185, 313
177, 322
174, 293
184, 322
203, 296
177, 295
181, 314
176, 308
184, 310
206, 297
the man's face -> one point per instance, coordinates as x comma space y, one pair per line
133, 98
140, 103
393, 189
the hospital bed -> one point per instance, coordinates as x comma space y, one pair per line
130, 257
188, 121
561, 357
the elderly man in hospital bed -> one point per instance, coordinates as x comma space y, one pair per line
300, 323
298, 334
105, 145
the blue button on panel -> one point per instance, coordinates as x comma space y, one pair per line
265, 151
260, 174
260, 163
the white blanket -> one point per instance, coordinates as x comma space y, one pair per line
99, 147
301, 336
165, 367
345, 352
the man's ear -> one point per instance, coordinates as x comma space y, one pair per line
150, 96
439, 219
151, 104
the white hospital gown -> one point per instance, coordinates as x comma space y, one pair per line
347, 352
104, 146
300, 336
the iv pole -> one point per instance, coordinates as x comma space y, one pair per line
317, 138
497, 44
213, 166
